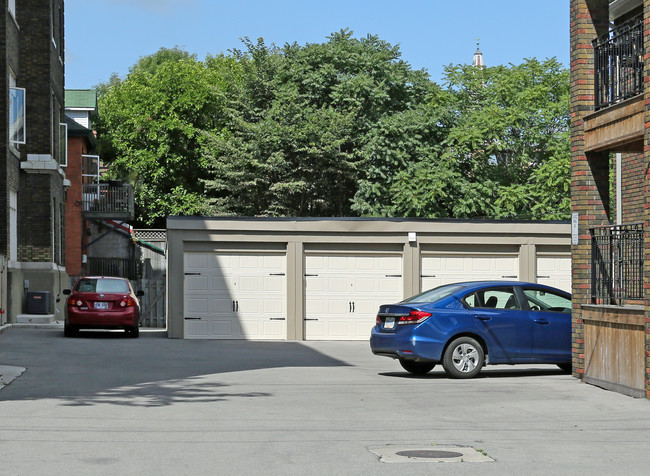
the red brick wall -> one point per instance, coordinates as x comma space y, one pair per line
73, 218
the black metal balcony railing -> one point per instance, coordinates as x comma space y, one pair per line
618, 64
616, 263
107, 200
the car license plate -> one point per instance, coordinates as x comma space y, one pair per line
389, 323
101, 305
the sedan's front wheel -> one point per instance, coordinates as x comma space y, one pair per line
416, 368
464, 358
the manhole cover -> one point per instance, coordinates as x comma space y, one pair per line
429, 454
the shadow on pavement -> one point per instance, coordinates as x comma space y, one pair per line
107, 367
516, 371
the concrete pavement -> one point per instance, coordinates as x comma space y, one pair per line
105, 404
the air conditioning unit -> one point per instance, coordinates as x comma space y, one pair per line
38, 302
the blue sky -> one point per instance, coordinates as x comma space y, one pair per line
109, 36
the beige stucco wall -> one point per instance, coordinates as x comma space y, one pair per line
296, 237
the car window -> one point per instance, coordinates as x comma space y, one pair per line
543, 300
92, 285
493, 298
435, 294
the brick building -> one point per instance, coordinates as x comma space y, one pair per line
610, 138
32, 180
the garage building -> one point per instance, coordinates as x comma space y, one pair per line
324, 279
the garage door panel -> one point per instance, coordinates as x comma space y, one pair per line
555, 271
438, 270
225, 328
343, 305
196, 328
245, 296
273, 307
197, 305
337, 306
249, 284
221, 305
196, 284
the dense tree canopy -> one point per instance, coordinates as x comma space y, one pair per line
339, 128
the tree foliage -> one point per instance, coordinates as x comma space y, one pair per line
339, 128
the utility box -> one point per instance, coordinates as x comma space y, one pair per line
38, 302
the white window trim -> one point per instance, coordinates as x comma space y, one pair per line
23, 141
63, 145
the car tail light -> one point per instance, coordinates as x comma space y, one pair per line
127, 302
75, 302
414, 317
378, 320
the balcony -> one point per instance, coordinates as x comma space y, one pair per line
105, 201
618, 64
618, 123
617, 264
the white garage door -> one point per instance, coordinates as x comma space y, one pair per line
344, 292
235, 296
555, 271
440, 269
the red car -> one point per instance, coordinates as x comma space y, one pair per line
98, 302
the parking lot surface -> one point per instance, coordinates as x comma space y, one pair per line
106, 404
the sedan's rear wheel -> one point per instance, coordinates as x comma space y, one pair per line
416, 368
70, 331
464, 358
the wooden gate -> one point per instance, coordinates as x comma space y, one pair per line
152, 304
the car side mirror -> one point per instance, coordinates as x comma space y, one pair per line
139, 292
66, 292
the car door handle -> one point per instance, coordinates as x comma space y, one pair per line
542, 321
483, 318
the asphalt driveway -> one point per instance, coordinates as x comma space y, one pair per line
105, 404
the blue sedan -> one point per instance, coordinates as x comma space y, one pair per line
468, 325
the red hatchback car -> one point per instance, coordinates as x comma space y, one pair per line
98, 302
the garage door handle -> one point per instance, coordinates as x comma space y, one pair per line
544, 277
510, 277
427, 275
544, 322
192, 318
235, 306
192, 274
309, 275
277, 319
310, 319
393, 275
276, 274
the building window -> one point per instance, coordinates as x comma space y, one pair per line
17, 115
63, 144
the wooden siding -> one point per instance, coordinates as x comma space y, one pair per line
614, 343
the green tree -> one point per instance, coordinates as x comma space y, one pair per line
152, 126
502, 149
295, 141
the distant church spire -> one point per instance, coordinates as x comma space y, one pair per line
478, 57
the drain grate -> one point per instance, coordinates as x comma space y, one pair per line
429, 454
